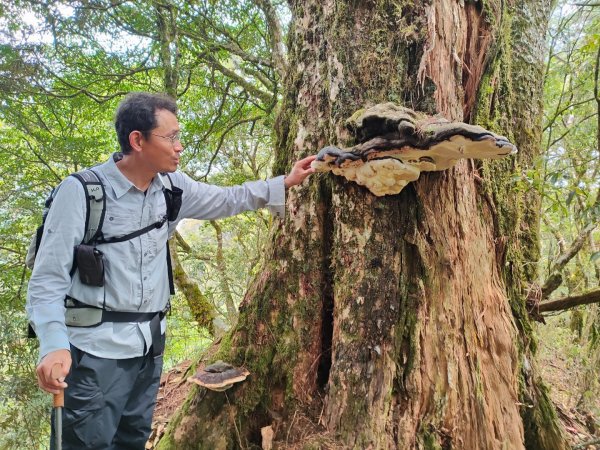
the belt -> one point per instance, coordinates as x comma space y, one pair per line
78, 314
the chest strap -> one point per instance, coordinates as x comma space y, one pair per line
127, 237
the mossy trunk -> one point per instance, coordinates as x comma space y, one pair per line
395, 322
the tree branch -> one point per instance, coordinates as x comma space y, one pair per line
560, 240
10, 250
43, 161
558, 113
266, 82
182, 243
594, 249
213, 46
275, 35
589, 116
266, 97
555, 278
570, 302
219, 113
222, 139
167, 38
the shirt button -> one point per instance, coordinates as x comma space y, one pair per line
145, 278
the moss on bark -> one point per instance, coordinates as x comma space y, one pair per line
510, 100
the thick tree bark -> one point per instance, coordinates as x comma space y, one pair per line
395, 322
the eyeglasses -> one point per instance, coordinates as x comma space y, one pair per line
173, 139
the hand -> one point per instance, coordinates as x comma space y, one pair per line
299, 172
54, 384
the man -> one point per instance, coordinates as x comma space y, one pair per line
112, 369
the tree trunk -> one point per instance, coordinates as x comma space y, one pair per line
232, 312
395, 322
202, 310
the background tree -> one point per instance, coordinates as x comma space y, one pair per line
567, 179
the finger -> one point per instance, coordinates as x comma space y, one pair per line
59, 371
304, 166
51, 378
49, 387
309, 158
57, 377
53, 383
307, 172
43, 373
304, 162
58, 383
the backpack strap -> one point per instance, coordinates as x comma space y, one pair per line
95, 204
166, 180
170, 271
95, 207
173, 196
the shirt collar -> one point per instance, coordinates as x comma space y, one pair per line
119, 182
156, 185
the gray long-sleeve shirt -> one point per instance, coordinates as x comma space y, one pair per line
136, 277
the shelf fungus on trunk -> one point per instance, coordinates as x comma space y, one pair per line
219, 376
396, 144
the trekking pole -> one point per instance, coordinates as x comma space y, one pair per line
59, 403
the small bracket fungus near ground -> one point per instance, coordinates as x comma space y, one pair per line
219, 376
396, 144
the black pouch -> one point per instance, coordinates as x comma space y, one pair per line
90, 262
173, 198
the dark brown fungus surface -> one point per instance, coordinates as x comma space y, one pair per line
219, 376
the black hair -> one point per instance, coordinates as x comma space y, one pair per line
137, 112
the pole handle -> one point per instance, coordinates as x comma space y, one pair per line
59, 399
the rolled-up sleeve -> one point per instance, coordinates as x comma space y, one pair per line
207, 202
51, 280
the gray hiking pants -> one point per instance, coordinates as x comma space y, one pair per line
109, 402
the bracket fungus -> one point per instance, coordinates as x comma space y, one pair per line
219, 376
396, 144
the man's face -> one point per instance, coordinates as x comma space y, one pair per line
162, 147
